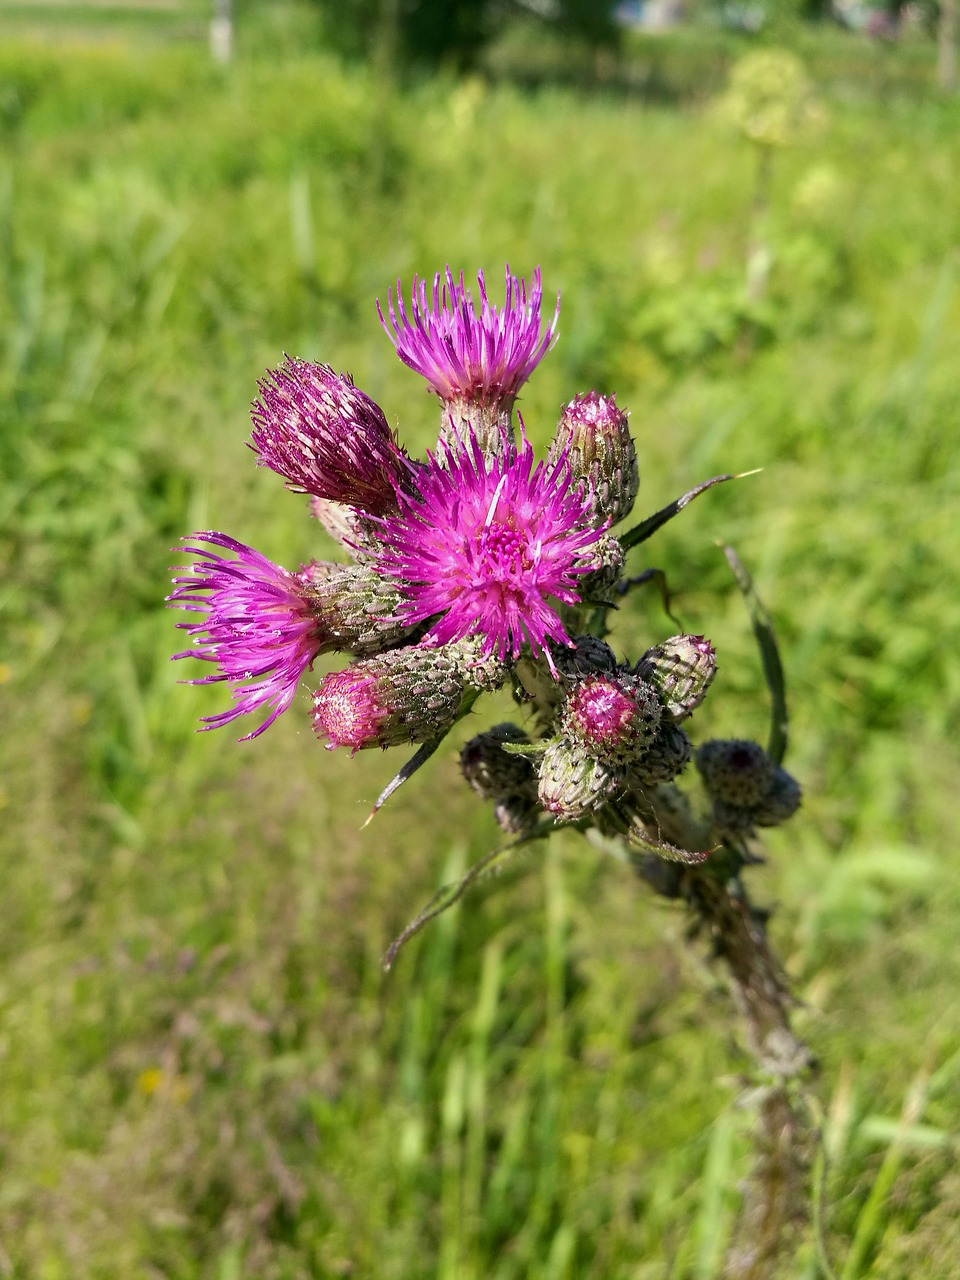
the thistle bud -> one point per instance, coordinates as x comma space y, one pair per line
407, 695
731, 821
493, 772
572, 783
736, 772
781, 802
587, 656
597, 586
681, 670
614, 718
602, 453
509, 780
355, 606
667, 755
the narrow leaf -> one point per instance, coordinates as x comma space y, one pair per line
450, 894
641, 532
769, 656
404, 773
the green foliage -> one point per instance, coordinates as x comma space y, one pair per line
205, 1073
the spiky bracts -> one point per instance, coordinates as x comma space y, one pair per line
596, 437
409, 695
746, 788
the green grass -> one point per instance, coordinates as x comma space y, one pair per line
204, 1071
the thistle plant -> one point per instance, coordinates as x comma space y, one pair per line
477, 568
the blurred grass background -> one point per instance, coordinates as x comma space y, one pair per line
203, 1070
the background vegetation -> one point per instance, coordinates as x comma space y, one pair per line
204, 1071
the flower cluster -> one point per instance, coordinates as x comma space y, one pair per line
471, 568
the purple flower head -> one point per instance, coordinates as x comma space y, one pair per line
486, 545
314, 428
259, 627
482, 359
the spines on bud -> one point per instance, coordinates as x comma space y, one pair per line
747, 789
571, 783
681, 670
598, 586
357, 607
407, 695
601, 452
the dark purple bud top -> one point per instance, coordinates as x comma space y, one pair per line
614, 718
326, 438
735, 772
781, 802
681, 670
602, 453
571, 783
587, 656
407, 695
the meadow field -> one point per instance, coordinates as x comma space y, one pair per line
204, 1071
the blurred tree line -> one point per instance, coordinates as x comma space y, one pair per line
455, 32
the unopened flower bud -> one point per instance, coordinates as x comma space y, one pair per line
509, 780
602, 453
681, 670
597, 586
493, 772
407, 695
731, 821
781, 802
572, 783
667, 755
613, 717
736, 772
587, 656
355, 607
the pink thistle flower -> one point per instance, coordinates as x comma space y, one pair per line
487, 546
480, 359
259, 627
326, 438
